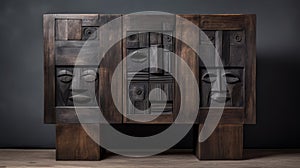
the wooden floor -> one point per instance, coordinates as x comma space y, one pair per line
180, 159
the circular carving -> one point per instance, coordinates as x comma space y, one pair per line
169, 38
89, 33
238, 38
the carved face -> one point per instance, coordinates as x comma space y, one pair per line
74, 84
212, 87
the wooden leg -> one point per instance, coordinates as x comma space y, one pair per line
226, 142
73, 143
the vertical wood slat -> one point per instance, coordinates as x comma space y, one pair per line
49, 69
250, 94
107, 67
191, 59
68, 29
74, 29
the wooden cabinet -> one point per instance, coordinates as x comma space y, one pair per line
233, 37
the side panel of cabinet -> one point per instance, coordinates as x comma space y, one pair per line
49, 69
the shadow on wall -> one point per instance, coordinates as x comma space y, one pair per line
277, 102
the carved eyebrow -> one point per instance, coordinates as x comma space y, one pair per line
231, 78
64, 72
209, 77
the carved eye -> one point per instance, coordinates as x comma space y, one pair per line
89, 75
133, 37
209, 77
231, 78
65, 76
138, 56
139, 91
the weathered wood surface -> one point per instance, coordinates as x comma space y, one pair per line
73, 143
226, 142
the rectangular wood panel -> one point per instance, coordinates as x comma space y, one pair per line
226, 142
73, 143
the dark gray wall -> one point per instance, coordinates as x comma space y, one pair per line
21, 65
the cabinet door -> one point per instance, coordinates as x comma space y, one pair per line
149, 94
233, 41
65, 38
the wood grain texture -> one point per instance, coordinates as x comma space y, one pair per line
232, 35
191, 59
107, 67
250, 31
49, 68
73, 143
139, 38
222, 22
226, 142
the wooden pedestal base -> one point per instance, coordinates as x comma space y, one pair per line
226, 142
73, 143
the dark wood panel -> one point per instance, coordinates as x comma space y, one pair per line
219, 145
68, 115
107, 67
73, 143
229, 116
250, 80
159, 119
74, 29
191, 59
68, 29
61, 32
222, 22
76, 52
49, 68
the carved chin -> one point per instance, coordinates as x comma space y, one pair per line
81, 99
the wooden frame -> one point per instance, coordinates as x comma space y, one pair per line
62, 31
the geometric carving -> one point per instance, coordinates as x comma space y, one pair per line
149, 49
138, 94
68, 29
89, 33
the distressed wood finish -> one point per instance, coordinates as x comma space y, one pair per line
191, 59
145, 48
73, 143
226, 142
107, 66
230, 34
232, 37
49, 69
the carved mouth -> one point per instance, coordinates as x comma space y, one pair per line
79, 98
220, 97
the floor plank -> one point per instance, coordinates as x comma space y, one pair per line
176, 158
